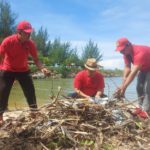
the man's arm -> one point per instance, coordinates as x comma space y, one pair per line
99, 93
130, 77
78, 81
1, 53
101, 86
80, 93
1, 58
126, 72
41, 67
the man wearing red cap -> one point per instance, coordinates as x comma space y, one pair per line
139, 56
14, 53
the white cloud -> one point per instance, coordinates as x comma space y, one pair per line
113, 13
113, 64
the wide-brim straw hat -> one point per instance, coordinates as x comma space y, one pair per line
91, 64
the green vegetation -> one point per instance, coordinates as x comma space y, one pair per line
108, 147
91, 50
7, 20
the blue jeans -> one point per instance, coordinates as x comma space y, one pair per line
143, 90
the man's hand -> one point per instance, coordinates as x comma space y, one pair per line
120, 91
99, 93
46, 71
97, 96
90, 99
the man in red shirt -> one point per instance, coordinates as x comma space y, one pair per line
14, 53
139, 56
89, 82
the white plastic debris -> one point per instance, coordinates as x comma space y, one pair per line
101, 101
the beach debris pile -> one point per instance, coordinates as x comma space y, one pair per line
77, 124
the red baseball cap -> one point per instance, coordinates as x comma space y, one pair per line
25, 26
121, 44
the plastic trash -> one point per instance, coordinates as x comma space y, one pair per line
139, 112
101, 101
118, 116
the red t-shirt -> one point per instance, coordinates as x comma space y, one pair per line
141, 56
89, 85
16, 54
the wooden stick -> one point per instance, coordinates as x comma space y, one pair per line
44, 146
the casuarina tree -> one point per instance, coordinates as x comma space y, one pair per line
91, 50
41, 40
7, 20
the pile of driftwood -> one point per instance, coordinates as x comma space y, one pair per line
77, 124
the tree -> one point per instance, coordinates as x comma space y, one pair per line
73, 58
7, 20
61, 53
41, 40
91, 50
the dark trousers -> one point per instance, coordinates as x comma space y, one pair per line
7, 79
143, 90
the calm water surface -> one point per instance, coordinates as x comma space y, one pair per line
47, 87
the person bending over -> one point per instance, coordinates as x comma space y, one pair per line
139, 57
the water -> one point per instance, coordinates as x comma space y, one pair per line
47, 87
112, 83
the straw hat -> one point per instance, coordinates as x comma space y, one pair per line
91, 64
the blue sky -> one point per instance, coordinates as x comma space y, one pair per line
102, 21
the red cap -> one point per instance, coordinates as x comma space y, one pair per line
121, 44
25, 26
